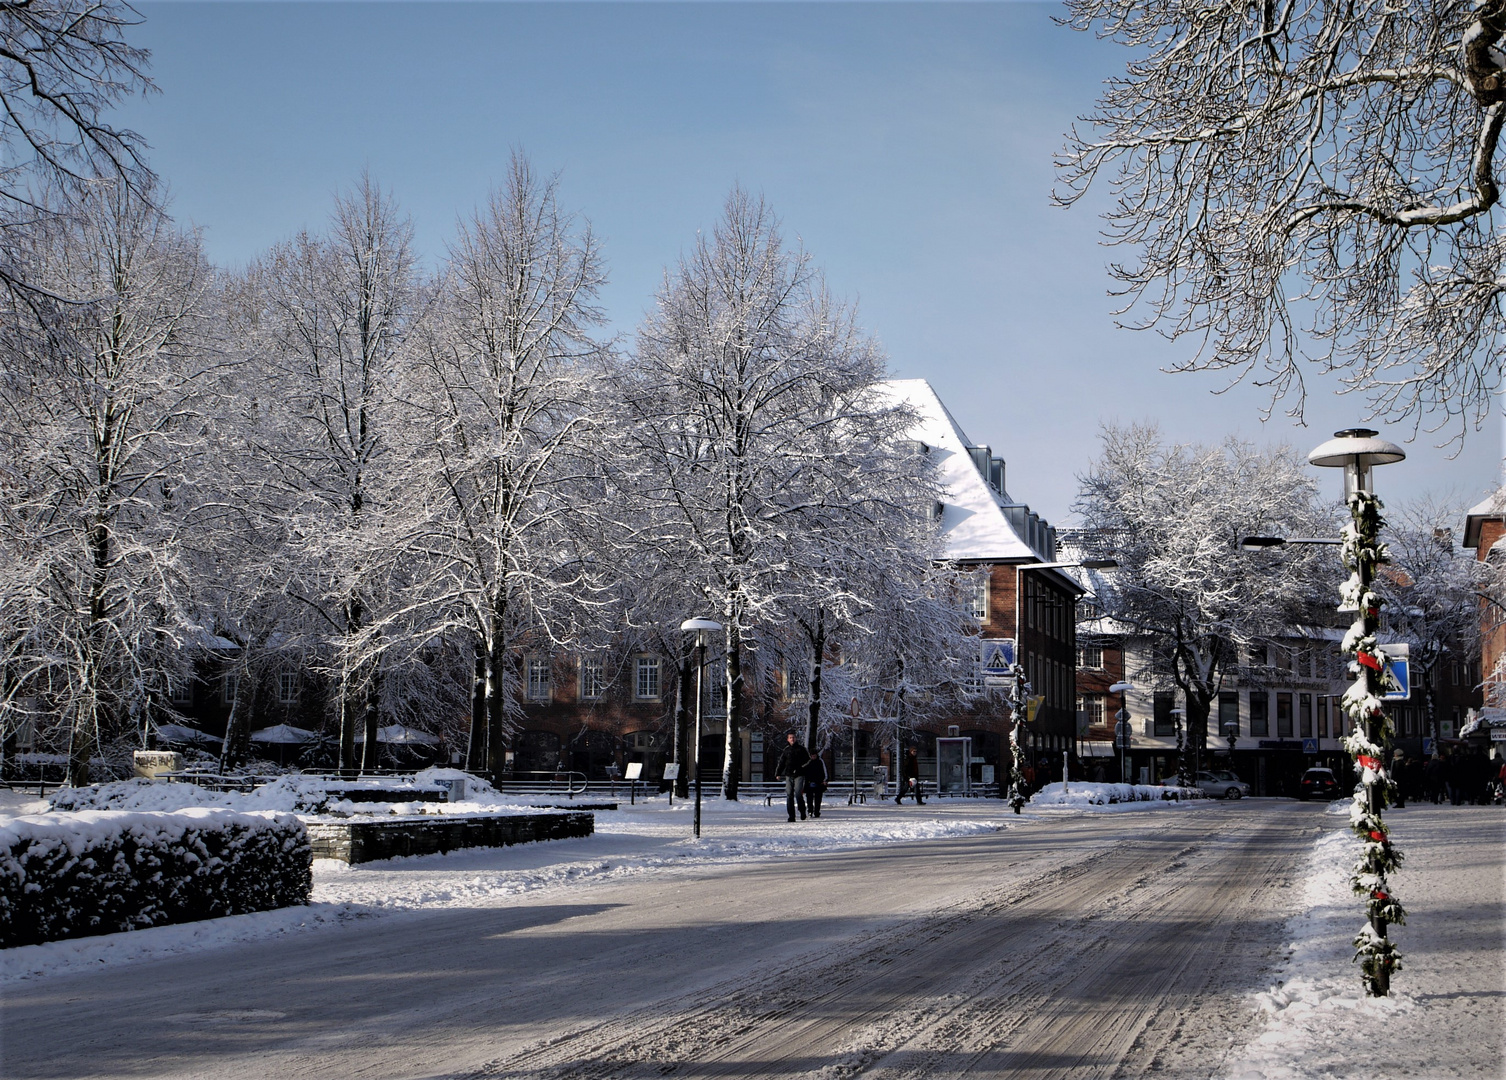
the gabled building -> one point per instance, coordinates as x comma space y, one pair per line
1024, 599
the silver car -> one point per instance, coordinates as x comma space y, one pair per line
1221, 785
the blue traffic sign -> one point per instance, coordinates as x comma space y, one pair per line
1396, 679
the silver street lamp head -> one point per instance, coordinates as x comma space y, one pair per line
1356, 451
702, 627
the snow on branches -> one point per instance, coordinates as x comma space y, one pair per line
1308, 176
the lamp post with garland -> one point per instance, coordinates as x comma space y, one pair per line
1357, 451
1019, 696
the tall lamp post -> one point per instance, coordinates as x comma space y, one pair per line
701, 627
1357, 451
1122, 730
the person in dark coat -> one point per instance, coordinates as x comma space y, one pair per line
791, 769
909, 777
815, 784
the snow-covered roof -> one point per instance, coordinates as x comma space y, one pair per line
1491, 507
973, 520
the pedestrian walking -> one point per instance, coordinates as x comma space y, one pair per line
815, 784
791, 769
1432, 780
909, 778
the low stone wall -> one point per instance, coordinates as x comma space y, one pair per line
366, 841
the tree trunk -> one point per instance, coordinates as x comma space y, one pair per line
818, 647
496, 666
731, 763
684, 696
475, 750
372, 717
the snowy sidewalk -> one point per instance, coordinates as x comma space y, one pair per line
1446, 1016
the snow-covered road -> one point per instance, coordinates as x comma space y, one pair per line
1203, 940
1056, 948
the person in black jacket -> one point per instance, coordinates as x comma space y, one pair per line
791, 769
815, 784
909, 778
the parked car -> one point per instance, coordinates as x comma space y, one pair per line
1318, 784
1222, 785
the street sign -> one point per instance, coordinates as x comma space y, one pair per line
1396, 679
1122, 715
1309, 746
672, 771
998, 658
1427, 746
1498, 734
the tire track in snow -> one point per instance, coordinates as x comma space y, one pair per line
1050, 977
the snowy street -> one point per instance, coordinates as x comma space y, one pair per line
1058, 944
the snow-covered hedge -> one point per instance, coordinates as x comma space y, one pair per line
1081, 793
98, 872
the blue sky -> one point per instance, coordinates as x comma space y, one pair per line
908, 146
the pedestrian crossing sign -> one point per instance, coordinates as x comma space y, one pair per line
1396, 677
998, 657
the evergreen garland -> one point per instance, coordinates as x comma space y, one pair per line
1368, 741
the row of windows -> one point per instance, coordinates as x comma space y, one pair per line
180, 691
1297, 716
1047, 610
647, 676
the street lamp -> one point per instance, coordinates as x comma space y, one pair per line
702, 627
1357, 451
1122, 730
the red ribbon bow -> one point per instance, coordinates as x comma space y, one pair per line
1368, 762
1371, 662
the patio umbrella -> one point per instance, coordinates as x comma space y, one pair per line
284, 734
182, 734
399, 735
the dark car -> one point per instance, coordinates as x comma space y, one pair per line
1318, 784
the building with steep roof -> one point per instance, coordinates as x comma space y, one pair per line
1025, 600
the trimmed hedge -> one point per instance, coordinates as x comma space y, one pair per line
98, 872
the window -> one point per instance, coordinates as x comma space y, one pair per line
1228, 713
1165, 723
536, 674
980, 597
1092, 706
1260, 714
287, 687
1322, 717
1283, 716
228, 686
646, 680
180, 691
1305, 716
1257, 655
590, 678
1090, 656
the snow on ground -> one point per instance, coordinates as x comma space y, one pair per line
1447, 1009
1448, 1002
651, 836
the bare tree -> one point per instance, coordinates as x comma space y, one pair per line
1304, 176
752, 403
509, 402
329, 319
103, 414
1172, 516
